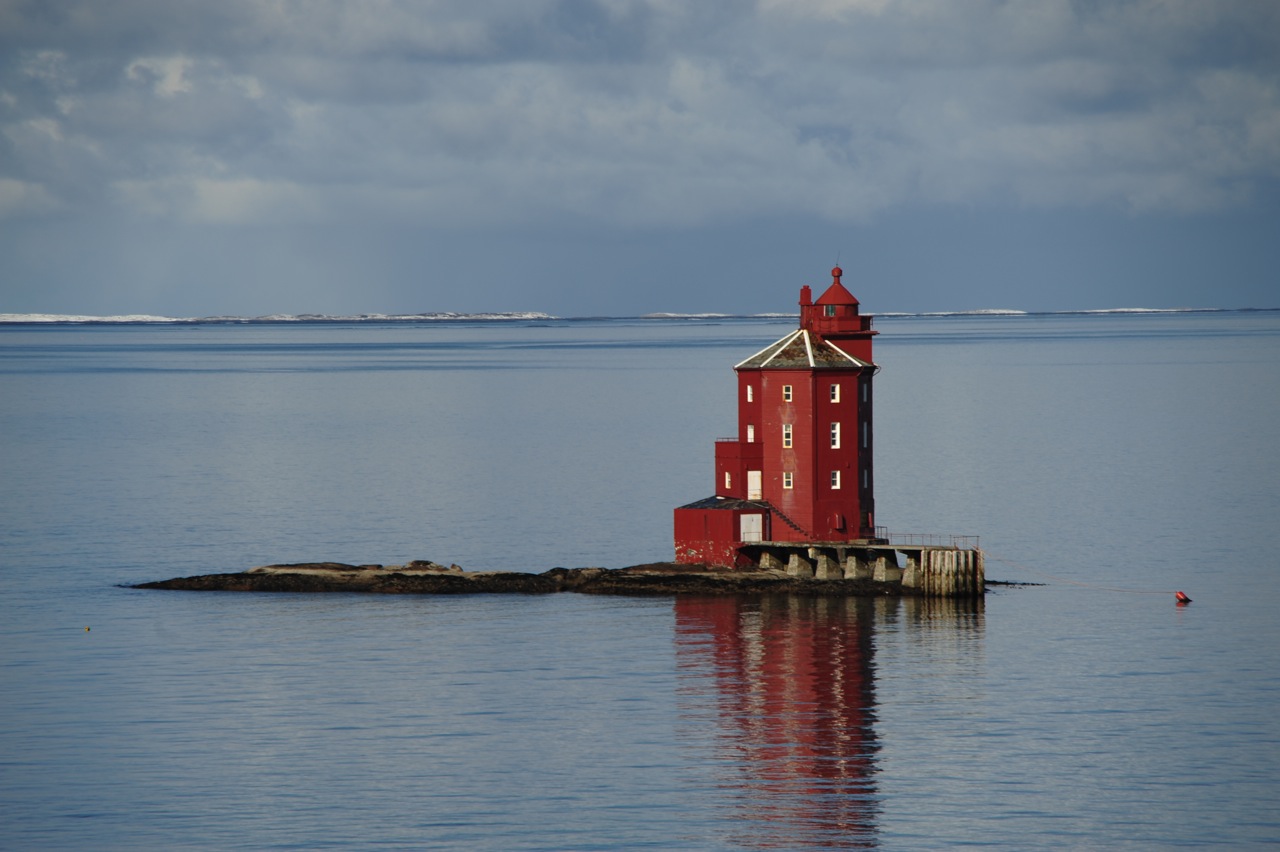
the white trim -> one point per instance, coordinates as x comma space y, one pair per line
857, 361
781, 343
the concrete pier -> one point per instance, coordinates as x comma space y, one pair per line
933, 570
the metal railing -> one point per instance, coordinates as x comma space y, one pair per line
963, 542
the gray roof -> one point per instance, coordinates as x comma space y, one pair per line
801, 349
716, 502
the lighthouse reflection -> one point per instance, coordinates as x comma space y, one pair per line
778, 696
788, 682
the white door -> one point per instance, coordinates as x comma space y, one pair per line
753, 485
751, 527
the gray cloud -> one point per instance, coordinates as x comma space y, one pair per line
631, 114
639, 110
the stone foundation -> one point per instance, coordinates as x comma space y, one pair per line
930, 570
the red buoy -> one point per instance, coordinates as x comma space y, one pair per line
1182, 598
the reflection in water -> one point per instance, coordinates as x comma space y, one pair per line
794, 706
787, 684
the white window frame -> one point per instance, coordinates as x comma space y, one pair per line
786, 393
788, 438
788, 479
835, 480
728, 480
835, 435
750, 393
835, 392
751, 433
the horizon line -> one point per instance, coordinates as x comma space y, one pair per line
518, 316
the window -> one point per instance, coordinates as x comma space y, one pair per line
835, 436
835, 393
866, 387
786, 393
866, 478
750, 393
788, 479
751, 434
728, 480
866, 434
830, 310
835, 480
786, 434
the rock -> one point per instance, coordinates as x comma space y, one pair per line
422, 577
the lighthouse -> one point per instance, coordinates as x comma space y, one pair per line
800, 468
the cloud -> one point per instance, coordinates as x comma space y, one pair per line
634, 112
19, 198
167, 76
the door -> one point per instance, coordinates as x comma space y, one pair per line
751, 527
753, 486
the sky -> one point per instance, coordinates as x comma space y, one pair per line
620, 157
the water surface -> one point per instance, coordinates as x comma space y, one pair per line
1112, 458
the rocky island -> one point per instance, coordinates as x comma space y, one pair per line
423, 577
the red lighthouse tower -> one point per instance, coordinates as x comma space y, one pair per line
799, 469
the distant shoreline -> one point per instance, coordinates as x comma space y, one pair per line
518, 317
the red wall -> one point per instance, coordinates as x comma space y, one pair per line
812, 503
707, 536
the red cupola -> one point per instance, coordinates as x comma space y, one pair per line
800, 468
835, 317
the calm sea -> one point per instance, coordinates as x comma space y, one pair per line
1112, 459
